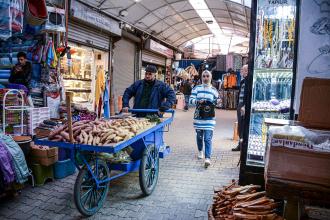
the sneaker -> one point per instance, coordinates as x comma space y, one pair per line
207, 162
237, 148
200, 155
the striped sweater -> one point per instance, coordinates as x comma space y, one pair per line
208, 93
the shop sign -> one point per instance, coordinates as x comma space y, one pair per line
158, 48
277, 2
88, 15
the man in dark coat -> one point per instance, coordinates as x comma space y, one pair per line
241, 107
186, 90
149, 93
21, 72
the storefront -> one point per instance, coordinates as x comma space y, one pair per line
271, 81
89, 41
158, 55
124, 61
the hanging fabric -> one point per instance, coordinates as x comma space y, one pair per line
36, 12
99, 90
232, 81
229, 61
6, 165
106, 97
20, 166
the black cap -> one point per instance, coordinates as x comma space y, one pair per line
151, 69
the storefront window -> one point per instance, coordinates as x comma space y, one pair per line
79, 73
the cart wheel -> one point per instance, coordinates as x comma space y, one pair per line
87, 197
149, 167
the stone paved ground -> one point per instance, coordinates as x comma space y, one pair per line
184, 189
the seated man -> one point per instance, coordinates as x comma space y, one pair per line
21, 72
149, 93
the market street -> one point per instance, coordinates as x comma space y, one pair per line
184, 190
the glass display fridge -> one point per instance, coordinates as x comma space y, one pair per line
270, 84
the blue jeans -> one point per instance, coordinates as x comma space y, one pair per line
186, 101
207, 136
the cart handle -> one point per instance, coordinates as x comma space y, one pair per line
151, 111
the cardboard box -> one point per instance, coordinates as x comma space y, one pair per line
315, 103
305, 166
44, 155
298, 165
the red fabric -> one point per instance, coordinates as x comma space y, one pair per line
37, 8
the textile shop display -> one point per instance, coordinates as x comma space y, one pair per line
36, 12
19, 162
229, 81
228, 98
229, 61
221, 63
238, 62
6, 165
11, 21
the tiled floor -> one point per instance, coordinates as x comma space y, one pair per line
184, 190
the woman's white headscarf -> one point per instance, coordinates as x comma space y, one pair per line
206, 72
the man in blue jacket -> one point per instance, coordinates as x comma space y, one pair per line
149, 93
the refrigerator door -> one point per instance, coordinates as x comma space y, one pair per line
273, 72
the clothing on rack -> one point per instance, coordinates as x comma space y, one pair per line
20, 166
230, 61
99, 90
106, 97
229, 81
229, 98
221, 63
238, 62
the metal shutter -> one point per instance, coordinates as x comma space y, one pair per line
83, 34
150, 57
123, 66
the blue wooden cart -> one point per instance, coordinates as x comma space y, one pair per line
92, 183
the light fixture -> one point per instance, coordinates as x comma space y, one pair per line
205, 14
123, 13
137, 0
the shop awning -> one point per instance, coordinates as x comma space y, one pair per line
176, 21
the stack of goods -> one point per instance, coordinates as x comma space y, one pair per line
101, 132
273, 105
300, 138
11, 18
79, 113
36, 117
43, 155
13, 167
298, 145
242, 202
37, 96
12, 117
44, 129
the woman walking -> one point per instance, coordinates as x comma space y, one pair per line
204, 96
